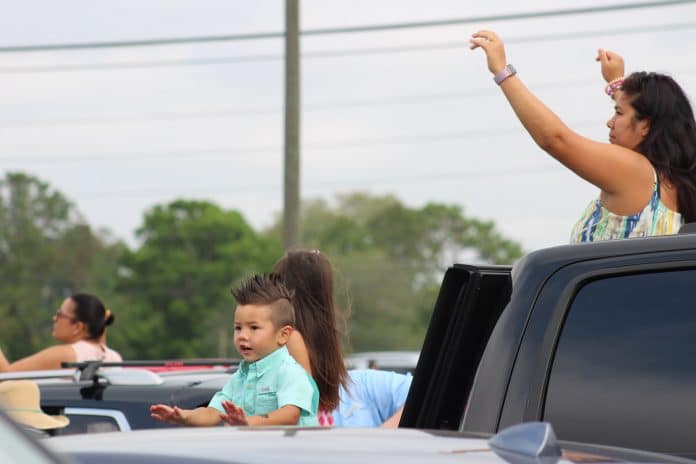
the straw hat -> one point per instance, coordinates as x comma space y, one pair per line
20, 400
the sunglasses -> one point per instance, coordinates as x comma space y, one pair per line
61, 315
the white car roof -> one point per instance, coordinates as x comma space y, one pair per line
384, 359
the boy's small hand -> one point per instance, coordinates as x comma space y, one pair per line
168, 414
234, 414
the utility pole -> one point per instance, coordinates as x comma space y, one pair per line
291, 188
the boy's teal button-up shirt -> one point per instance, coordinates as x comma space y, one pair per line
270, 383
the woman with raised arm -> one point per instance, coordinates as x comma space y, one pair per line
646, 173
79, 325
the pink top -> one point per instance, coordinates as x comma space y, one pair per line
89, 351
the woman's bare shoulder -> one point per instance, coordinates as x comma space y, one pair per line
48, 358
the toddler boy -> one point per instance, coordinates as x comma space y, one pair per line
270, 387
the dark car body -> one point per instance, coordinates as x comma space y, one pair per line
104, 399
595, 338
97, 404
118, 399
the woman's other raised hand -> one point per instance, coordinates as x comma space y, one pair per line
492, 46
612, 64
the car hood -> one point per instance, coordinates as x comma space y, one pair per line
283, 445
268, 445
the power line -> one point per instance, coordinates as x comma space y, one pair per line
320, 54
332, 145
501, 17
142, 64
481, 92
341, 30
347, 183
140, 43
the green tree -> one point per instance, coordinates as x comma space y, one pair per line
392, 257
178, 281
47, 252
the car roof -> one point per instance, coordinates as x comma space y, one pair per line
133, 385
123, 376
143, 372
282, 444
291, 445
388, 360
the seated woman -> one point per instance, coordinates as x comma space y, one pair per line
80, 325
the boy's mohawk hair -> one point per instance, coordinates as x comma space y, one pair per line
261, 289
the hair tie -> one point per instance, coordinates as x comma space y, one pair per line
613, 85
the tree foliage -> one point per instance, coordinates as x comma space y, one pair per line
47, 252
178, 280
170, 293
391, 257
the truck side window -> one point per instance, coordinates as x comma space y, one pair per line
624, 371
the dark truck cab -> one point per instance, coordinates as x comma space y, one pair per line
598, 339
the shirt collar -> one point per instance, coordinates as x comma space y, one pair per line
270, 361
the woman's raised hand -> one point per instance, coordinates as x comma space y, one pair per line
612, 64
492, 46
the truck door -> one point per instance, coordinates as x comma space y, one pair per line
613, 359
470, 301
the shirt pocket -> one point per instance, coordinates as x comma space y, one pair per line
266, 402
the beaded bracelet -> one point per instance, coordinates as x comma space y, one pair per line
613, 86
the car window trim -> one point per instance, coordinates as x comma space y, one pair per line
115, 414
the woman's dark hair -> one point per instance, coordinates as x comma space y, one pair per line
670, 144
91, 311
310, 275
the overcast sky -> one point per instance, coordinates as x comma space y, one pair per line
418, 116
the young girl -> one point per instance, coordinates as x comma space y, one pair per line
316, 342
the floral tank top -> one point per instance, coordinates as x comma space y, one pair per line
598, 223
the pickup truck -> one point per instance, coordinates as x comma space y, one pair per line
598, 339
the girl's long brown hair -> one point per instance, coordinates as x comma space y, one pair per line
310, 275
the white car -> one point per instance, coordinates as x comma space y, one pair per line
521, 444
397, 361
18, 445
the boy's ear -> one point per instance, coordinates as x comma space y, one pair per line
284, 334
